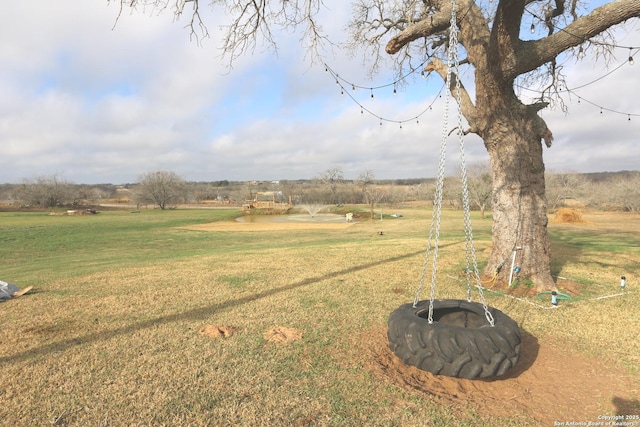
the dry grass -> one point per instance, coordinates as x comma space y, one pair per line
122, 346
567, 215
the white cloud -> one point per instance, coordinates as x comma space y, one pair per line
98, 104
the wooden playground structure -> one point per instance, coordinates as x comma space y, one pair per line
267, 200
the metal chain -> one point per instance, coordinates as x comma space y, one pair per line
435, 218
470, 253
437, 203
470, 250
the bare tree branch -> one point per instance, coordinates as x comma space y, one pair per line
466, 104
250, 21
434, 24
532, 54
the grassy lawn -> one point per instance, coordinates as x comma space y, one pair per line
110, 334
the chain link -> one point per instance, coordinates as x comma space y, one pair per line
470, 250
437, 203
453, 62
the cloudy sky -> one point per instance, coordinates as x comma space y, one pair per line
97, 104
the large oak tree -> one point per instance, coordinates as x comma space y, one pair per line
490, 40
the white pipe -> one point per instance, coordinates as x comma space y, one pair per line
513, 263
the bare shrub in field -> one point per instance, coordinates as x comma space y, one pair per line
616, 192
161, 188
626, 193
561, 187
570, 216
45, 191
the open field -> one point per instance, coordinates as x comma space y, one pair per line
111, 333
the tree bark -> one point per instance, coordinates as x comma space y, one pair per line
512, 133
519, 202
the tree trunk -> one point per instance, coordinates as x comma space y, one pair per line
519, 202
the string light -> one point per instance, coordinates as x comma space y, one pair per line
573, 90
394, 83
602, 108
364, 109
581, 54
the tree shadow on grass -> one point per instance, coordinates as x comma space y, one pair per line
562, 253
626, 407
569, 244
195, 314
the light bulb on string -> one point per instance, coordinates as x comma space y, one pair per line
629, 117
581, 53
631, 61
533, 28
372, 93
353, 87
423, 74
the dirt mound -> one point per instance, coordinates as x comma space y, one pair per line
549, 383
217, 331
282, 334
569, 216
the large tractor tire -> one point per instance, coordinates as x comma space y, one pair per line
459, 343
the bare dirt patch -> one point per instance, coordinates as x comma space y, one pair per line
550, 383
265, 226
281, 334
217, 331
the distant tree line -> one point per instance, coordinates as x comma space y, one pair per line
619, 191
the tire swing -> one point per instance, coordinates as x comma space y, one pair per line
456, 338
